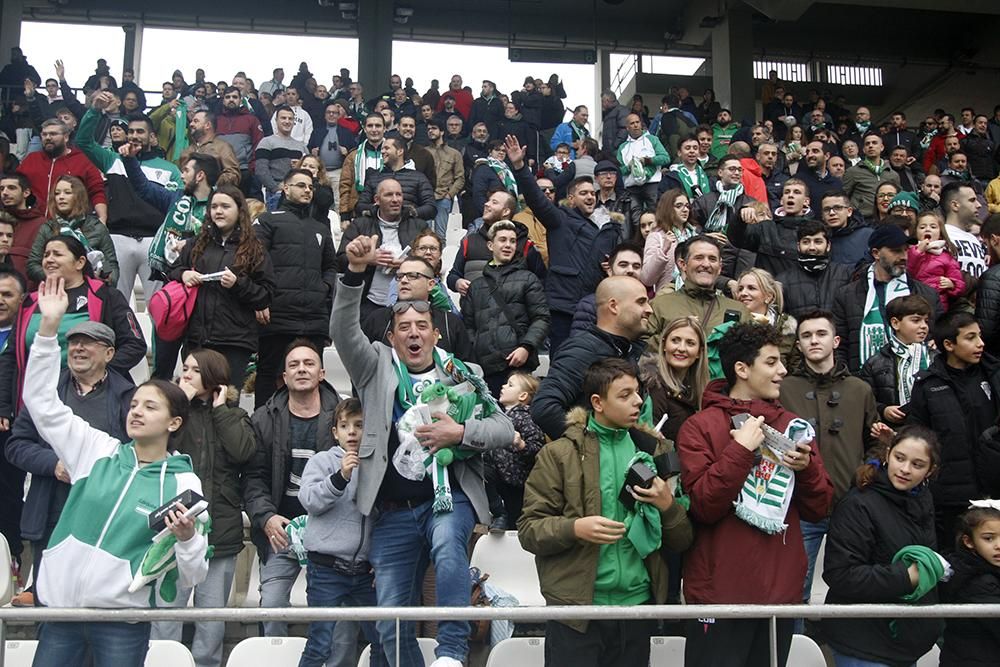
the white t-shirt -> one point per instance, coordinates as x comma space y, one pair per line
971, 251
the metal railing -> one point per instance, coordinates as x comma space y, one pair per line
516, 614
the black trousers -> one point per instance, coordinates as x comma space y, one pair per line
559, 328
271, 362
734, 643
11, 500
604, 644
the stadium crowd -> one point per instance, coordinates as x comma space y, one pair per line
759, 335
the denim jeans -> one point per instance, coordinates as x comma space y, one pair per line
110, 644
403, 542
211, 593
329, 588
277, 576
812, 539
841, 660
441, 217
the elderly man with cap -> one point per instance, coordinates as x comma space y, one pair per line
859, 306
94, 392
609, 200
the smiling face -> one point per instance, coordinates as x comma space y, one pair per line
703, 264
814, 245
681, 348
909, 463
503, 246
911, 328
751, 295
762, 378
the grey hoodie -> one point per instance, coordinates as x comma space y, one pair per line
336, 526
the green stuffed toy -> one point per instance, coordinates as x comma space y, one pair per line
160, 560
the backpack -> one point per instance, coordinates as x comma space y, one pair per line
170, 309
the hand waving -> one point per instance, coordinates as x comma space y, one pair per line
52, 304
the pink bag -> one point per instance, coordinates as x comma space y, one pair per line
170, 309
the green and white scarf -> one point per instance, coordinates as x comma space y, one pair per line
503, 172
767, 491
181, 135
579, 131
694, 186
462, 395
363, 162
910, 360
876, 169
873, 334
718, 220
961, 176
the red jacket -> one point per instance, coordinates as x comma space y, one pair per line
934, 152
753, 181
463, 102
732, 562
42, 171
29, 221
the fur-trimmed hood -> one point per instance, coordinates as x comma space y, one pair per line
644, 436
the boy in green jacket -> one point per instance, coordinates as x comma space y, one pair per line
589, 547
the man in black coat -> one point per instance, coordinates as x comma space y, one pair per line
305, 268
623, 313
487, 108
885, 279
814, 279
417, 189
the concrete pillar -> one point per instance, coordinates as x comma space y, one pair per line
732, 62
133, 47
375, 25
10, 28
602, 81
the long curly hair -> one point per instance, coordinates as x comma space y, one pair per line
250, 251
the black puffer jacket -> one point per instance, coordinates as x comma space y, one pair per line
774, 241
474, 254
417, 191
493, 333
980, 150
940, 405
225, 316
971, 642
560, 390
988, 309
220, 442
880, 374
305, 267
848, 311
867, 528
806, 291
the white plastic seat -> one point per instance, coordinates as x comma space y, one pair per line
519, 651
805, 653
426, 644
20, 653
336, 372
267, 652
931, 658
165, 653
667, 652
510, 567
543, 366
7, 583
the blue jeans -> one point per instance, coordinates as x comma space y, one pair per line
812, 538
110, 644
441, 217
403, 542
841, 660
328, 588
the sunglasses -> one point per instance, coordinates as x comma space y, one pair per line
548, 189
401, 307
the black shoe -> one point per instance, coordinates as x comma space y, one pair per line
499, 524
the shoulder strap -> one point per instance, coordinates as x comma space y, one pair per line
504, 306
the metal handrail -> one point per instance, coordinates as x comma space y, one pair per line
523, 614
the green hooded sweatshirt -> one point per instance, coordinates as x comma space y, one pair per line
622, 578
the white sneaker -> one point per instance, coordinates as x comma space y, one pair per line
446, 662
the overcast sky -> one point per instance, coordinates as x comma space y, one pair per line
221, 54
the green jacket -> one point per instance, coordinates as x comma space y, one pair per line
565, 485
220, 442
722, 136
629, 147
96, 233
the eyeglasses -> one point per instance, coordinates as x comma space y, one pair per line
834, 209
886, 195
412, 275
401, 307
428, 248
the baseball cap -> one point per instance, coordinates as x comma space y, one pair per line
889, 236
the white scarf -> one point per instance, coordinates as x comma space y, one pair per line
873, 333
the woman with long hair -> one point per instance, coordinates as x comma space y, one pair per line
70, 212
673, 226
884, 194
324, 198
240, 281
880, 549
762, 295
220, 441
98, 547
675, 372
708, 108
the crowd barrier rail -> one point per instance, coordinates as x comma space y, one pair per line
16, 615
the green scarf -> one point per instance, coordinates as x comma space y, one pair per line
503, 172
579, 131
932, 568
643, 524
961, 176
461, 395
183, 222
718, 220
910, 360
362, 163
876, 169
873, 335
694, 186
181, 135
439, 299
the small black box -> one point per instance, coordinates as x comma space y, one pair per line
639, 474
190, 499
